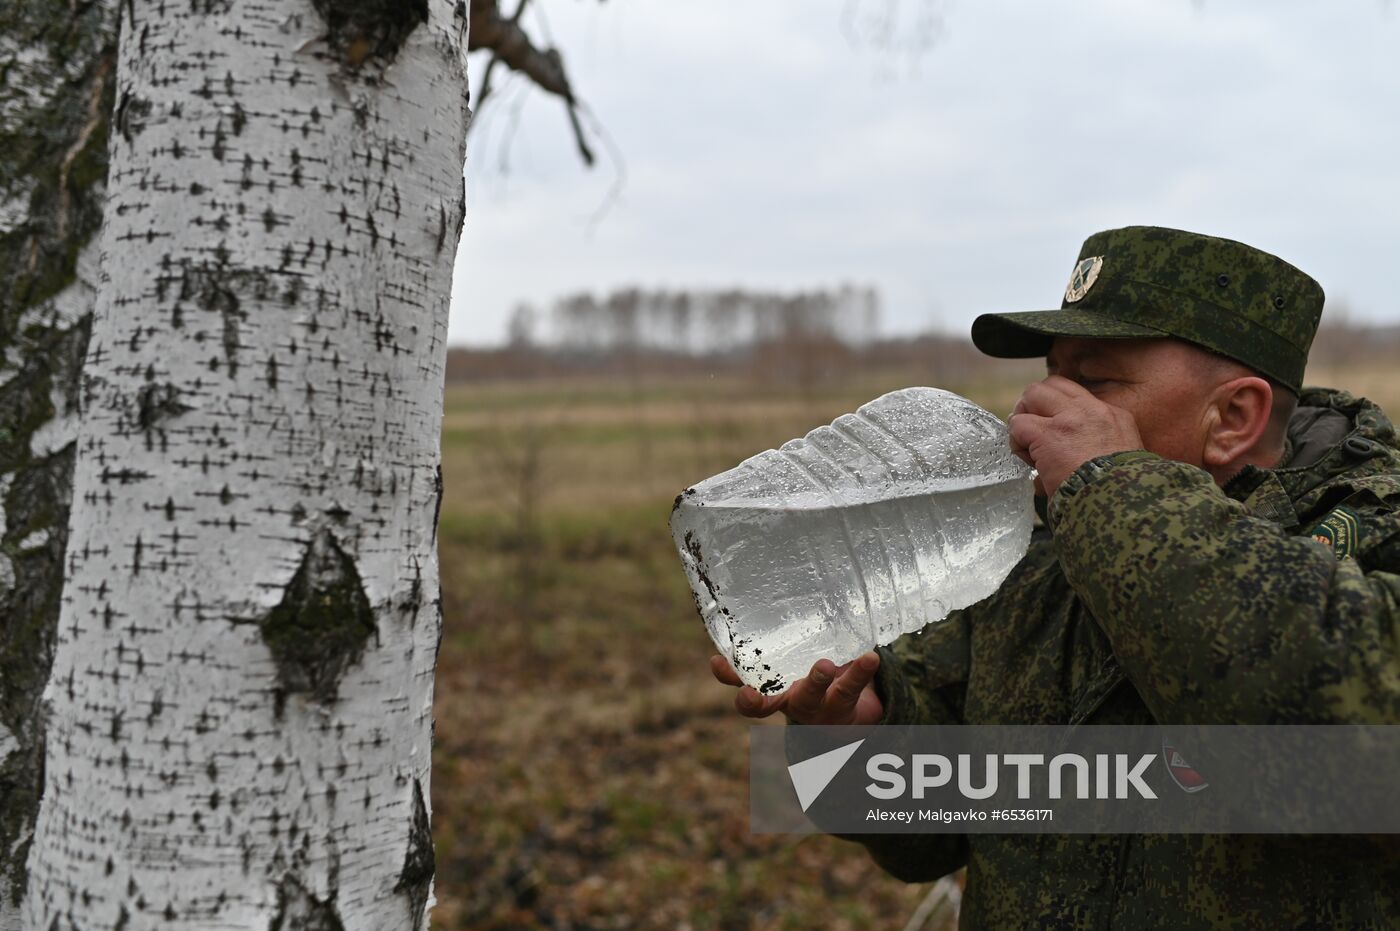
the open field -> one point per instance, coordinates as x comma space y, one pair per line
589, 773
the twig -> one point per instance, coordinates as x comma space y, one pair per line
485, 90
619, 182
512, 126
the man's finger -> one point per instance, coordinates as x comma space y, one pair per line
1018, 448
1025, 429
845, 691
751, 704
1045, 397
806, 694
724, 672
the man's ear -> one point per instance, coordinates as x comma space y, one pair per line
1238, 415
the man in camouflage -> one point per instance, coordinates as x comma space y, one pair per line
1221, 546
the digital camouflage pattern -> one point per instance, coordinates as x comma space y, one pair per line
1148, 281
1158, 597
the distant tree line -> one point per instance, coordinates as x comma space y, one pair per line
698, 322
800, 336
795, 338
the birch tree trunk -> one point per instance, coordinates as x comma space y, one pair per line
57, 63
241, 694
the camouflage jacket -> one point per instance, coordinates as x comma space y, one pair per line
1161, 597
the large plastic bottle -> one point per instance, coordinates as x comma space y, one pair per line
872, 527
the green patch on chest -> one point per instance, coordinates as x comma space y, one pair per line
1340, 529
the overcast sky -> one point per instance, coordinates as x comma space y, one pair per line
773, 144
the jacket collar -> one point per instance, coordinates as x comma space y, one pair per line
1330, 434
1263, 493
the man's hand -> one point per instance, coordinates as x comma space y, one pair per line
829, 694
1057, 426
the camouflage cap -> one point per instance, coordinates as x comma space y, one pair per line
1147, 281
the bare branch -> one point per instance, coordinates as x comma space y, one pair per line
513, 47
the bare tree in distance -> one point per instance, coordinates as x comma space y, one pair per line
624, 310
703, 321
521, 330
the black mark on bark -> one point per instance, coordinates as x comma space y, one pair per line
132, 112
413, 600
156, 404
419, 863
322, 623
214, 288
299, 910
437, 507
363, 29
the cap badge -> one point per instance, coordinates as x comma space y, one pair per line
1085, 274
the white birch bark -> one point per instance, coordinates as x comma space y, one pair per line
242, 685
56, 77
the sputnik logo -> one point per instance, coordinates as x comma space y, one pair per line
811, 777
